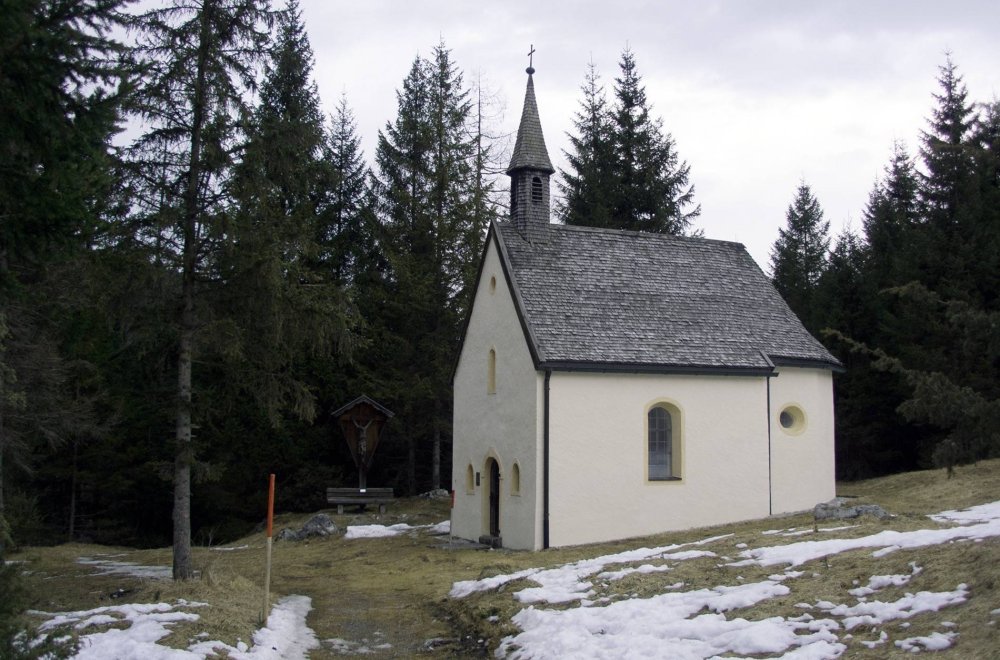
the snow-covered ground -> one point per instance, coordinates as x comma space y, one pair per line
132, 631
567, 617
704, 623
285, 636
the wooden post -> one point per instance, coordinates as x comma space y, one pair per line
267, 566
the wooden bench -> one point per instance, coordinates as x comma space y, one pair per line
357, 497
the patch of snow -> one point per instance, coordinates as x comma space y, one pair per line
381, 531
882, 638
566, 583
239, 547
668, 625
286, 635
376, 531
644, 569
105, 567
987, 518
463, 588
974, 514
443, 527
934, 642
878, 612
878, 582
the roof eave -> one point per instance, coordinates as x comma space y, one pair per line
647, 368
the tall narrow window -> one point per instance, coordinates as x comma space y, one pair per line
491, 372
515, 480
536, 190
660, 458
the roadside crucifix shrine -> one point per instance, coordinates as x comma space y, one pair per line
362, 422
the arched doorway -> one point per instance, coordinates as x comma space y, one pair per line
493, 469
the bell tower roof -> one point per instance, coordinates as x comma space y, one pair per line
529, 150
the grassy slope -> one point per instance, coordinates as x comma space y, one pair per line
394, 590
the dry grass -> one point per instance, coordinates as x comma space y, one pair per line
394, 590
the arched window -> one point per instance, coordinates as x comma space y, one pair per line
515, 480
663, 442
470, 479
536, 190
491, 372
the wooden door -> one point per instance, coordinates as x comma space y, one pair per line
494, 498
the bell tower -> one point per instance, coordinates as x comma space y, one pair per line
530, 170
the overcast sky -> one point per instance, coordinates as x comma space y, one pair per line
758, 95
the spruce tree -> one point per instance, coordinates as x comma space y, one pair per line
651, 188
424, 184
280, 305
948, 191
60, 98
799, 256
586, 186
59, 104
945, 151
341, 228
891, 220
197, 62
985, 236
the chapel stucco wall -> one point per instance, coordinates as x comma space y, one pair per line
504, 425
599, 489
803, 464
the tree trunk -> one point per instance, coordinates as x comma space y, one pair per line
436, 461
72, 496
411, 466
3, 442
182, 456
183, 452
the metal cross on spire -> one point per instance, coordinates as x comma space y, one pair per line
531, 59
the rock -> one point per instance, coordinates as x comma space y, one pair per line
319, 525
835, 509
287, 534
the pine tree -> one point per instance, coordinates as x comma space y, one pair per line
197, 61
586, 186
798, 257
651, 189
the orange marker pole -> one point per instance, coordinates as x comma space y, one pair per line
267, 566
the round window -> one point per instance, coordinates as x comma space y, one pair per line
792, 420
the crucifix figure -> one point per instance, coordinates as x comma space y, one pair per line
362, 450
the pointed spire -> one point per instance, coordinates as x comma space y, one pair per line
529, 150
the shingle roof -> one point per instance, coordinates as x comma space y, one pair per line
598, 298
529, 149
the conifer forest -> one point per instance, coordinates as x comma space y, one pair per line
197, 266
